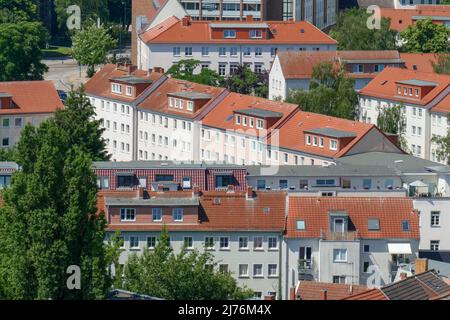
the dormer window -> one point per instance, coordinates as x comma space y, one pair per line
255, 34
405, 91
244, 121
416, 92
333, 144
238, 119
116, 88
399, 90
410, 91
229, 34
129, 91
308, 140
190, 106
171, 103
252, 122
259, 124
315, 141
321, 142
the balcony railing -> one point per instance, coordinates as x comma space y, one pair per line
305, 264
339, 236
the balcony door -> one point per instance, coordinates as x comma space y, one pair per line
339, 225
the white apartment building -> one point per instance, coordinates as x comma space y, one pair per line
321, 13
425, 101
225, 9
222, 46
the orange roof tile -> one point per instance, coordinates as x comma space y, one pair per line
287, 32
31, 97
311, 290
384, 85
422, 62
402, 18
373, 294
390, 212
100, 85
443, 106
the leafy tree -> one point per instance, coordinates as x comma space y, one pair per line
184, 70
331, 92
20, 53
91, 46
245, 81
351, 32
443, 64
392, 120
443, 149
425, 36
49, 219
182, 276
22, 10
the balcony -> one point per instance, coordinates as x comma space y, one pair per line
339, 236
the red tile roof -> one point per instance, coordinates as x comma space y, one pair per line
390, 212
31, 97
287, 32
422, 62
234, 213
443, 106
311, 290
384, 85
402, 18
300, 64
99, 84
373, 294
158, 100
222, 116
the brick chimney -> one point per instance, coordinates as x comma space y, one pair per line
249, 193
269, 297
195, 191
323, 294
186, 21
421, 265
292, 294
149, 72
140, 193
158, 69
131, 68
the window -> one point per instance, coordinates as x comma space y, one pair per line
18, 122
243, 243
151, 242
247, 52
258, 67
103, 182
223, 268
233, 52
273, 52
190, 106
434, 245
258, 52
222, 51
255, 34
315, 141
300, 225
283, 184
367, 184
333, 144
222, 69
5, 123
128, 214
176, 51
325, 182
273, 243
346, 183
366, 266
261, 184
5, 180
258, 243
224, 243
209, 243
259, 124
305, 254
358, 68
308, 140
243, 270
272, 270
205, 51
435, 217
163, 177
157, 214
366, 248
227, 34
373, 224
129, 91
339, 279
178, 214
321, 142
188, 51
257, 270
405, 225
134, 242
188, 243
340, 255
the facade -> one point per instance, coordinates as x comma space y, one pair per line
293, 70
23, 102
243, 230
222, 46
425, 100
346, 240
396, 4
321, 13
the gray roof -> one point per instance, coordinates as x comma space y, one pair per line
5, 95
192, 95
260, 113
401, 163
420, 83
130, 165
319, 171
334, 133
132, 80
240, 25
8, 165
160, 202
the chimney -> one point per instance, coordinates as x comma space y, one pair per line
249, 194
158, 69
230, 188
140, 193
149, 72
131, 69
249, 18
269, 297
323, 294
421, 265
195, 191
186, 21
292, 294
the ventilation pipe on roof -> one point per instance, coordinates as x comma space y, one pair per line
323, 294
249, 194
195, 191
186, 21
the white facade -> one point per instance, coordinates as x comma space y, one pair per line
223, 9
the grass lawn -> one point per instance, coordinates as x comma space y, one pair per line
56, 52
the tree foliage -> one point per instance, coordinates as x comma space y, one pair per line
184, 70
392, 120
49, 219
426, 36
442, 64
351, 32
245, 81
20, 51
331, 92
90, 47
21, 10
183, 276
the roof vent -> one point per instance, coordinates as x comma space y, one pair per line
216, 201
302, 30
266, 210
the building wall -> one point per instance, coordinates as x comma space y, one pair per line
439, 127
233, 256
12, 131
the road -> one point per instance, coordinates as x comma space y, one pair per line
65, 73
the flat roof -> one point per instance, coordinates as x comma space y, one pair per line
161, 202
419, 83
260, 113
132, 80
130, 165
192, 95
334, 133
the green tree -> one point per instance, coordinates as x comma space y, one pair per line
442, 64
443, 149
331, 92
91, 46
20, 51
245, 81
22, 10
426, 36
182, 276
184, 70
392, 120
351, 32
49, 219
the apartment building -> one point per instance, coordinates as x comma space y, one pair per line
222, 46
321, 13
425, 101
243, 230
396, 4
293, 70
348, 240
23, 102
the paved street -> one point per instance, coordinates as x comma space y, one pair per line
65, 73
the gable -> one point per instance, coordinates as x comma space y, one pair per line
374, 140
